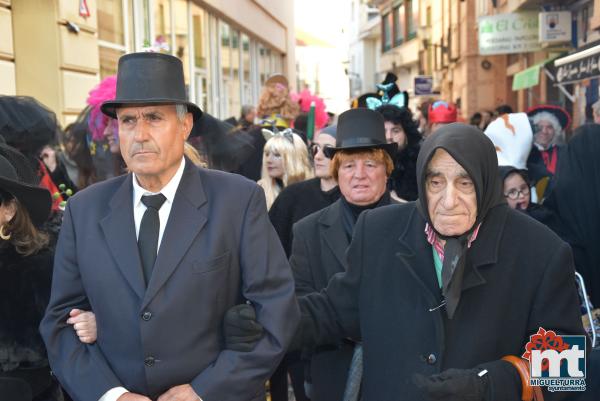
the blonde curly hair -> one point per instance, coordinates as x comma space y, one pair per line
295, 161
275, 99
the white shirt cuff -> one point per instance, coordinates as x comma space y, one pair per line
113, 394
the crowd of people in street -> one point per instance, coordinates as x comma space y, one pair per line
150, 251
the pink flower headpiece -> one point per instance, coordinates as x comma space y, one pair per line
304, 99
97, 121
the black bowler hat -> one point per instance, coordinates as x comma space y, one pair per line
149, 78
361, 129
19, 180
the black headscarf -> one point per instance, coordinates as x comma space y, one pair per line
475, 152
576, 199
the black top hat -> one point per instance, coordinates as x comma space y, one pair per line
19, 180
361, 129
149, 78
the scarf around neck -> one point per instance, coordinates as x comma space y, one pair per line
476, 153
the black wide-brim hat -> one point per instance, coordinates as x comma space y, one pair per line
149, 78
18, 179
361, 128
563, 116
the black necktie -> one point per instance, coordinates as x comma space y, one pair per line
148, 236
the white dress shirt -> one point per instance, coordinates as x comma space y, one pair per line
139, 208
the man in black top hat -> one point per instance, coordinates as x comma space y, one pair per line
159, 255
361, 164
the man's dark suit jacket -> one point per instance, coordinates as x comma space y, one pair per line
218, 249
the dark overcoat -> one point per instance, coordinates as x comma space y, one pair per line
218, 249
519, 276
318, 252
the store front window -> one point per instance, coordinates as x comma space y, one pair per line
111, 27
201, 57
235, 96
246, 70
112, 34
182, 43
162, 26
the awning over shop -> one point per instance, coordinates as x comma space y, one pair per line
583, 64
529, 77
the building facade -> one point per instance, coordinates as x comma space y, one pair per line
364, 59
446, 42
57, 50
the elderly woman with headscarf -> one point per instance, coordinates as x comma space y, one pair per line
549, 123
443, 289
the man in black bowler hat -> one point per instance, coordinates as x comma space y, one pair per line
159, 255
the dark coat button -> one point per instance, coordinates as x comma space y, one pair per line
146, 316
431, 359
149, 361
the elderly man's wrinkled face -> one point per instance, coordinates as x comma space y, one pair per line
151, 139
545, 133
451, 196
362, 180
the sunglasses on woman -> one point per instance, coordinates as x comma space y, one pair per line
315, 148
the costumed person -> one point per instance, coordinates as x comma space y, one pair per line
26, 260
549, 126
434, 275
361, 163
104, 132
576, 199
476, 119
218, 144
77, 156
295, 202
247, 116
32, 129
517, 191
160, 264
388, 86
285, 161
275, 110
440, 113
305, 100
303, 198
512, 137
400, 128
487, 117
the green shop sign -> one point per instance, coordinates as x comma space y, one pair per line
509, 33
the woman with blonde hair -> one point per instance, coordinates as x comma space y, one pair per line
275, 109
285, 161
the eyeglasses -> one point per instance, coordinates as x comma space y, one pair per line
315, 147
516, 193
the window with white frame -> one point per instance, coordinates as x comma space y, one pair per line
113, 34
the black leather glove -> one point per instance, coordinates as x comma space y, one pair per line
241, 329
453, 385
